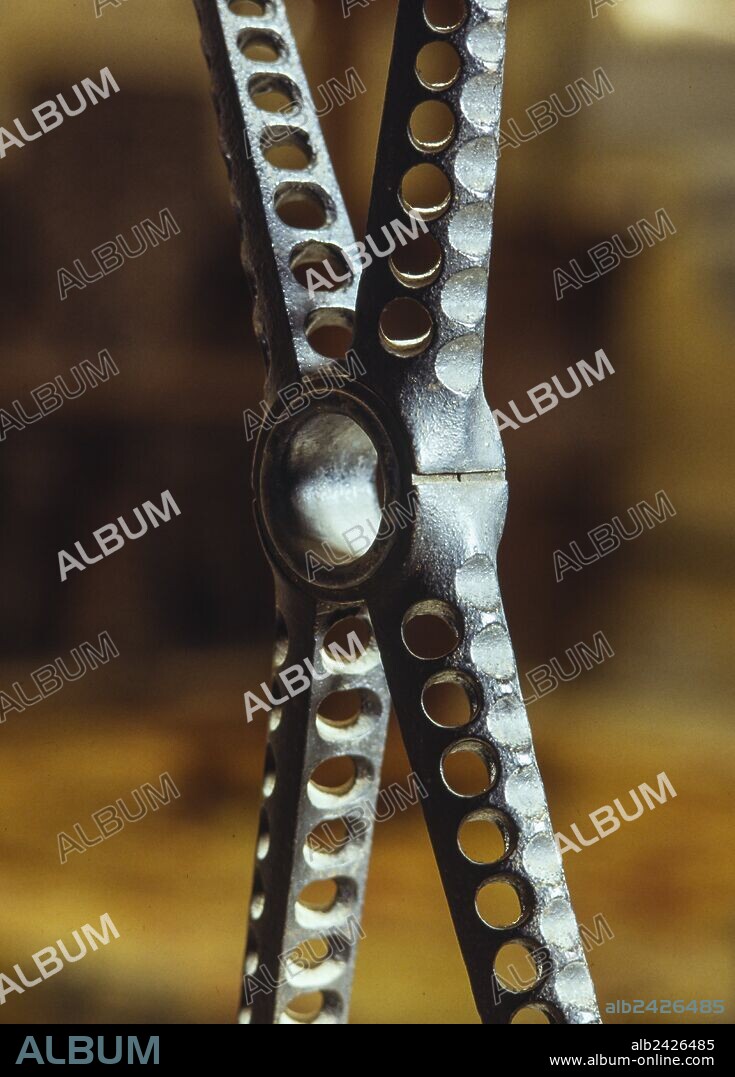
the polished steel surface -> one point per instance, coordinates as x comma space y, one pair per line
413, 431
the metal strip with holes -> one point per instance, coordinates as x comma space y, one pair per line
282, 213
408, 455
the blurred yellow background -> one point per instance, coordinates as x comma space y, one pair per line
190, 607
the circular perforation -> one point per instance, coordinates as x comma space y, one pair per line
445, 16
405, 327
431, 126
502, 902
431, 629
451, 698
425, 191
438, 65
286, 148
249, 8
304, 206
274, 92
261, 46
486, 836
469, 768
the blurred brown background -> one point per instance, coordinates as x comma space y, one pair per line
190, 606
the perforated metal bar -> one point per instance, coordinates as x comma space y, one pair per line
438, 393
447, 569
302, 944
421, 410
460, 587
245, 93
282, 212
